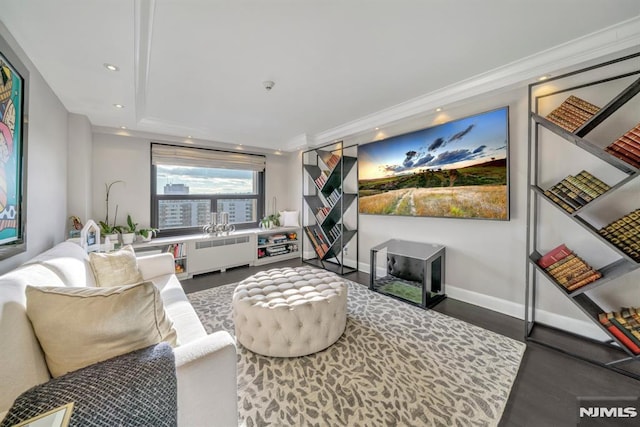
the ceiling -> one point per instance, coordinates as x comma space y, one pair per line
196, 67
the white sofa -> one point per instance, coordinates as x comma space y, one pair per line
205, 364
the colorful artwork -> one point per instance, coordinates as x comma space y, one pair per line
11, 111
457, 169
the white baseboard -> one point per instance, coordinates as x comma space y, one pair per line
517, 310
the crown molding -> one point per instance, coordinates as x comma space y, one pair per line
608, 41
144, 15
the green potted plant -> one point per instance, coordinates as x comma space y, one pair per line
106, 229
147, 233
110, 231
270, 221
129, 231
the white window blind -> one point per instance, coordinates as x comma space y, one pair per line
201, 157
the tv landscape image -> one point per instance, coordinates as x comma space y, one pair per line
457, 169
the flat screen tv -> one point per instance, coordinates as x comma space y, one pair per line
458, 169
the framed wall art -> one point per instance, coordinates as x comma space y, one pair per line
458, 169
13, 139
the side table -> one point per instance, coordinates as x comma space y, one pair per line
414, 271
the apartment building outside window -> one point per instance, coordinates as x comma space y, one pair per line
187, 184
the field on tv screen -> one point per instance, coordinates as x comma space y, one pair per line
458, 169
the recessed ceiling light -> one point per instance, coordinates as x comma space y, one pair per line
111, 67
123, 127
118, 105
377, 128
438, 109
189, 136
545, 77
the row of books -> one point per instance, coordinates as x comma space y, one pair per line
322, 213
334, 196
335, 232
624, 233
625, 326
627, 147
332, 161
573, 192
178, 250
567, 269
277, 238
318, 241
572, 113
277, 250
322, 179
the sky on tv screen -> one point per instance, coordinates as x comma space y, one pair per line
457, 144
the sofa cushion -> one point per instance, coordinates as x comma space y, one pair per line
185, 320
69, 262
77, 327
115, 268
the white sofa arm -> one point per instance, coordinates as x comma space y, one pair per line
151, 266
207, 384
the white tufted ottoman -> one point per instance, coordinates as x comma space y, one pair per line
289, 312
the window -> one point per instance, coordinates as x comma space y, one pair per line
187, 184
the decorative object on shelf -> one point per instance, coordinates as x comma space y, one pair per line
458, 169
129, 231
288, 218
90, 236
572, 123
219, 225
329, 185
14, 82
147, 233
76, 227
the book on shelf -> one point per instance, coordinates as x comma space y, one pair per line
624, 234
554, 255
626, 323
627, 147
567, 269
574, 192
316, 245
332, 161
572, 113
620, 336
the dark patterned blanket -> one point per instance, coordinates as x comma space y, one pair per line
135, 389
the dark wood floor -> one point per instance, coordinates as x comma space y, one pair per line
549, 382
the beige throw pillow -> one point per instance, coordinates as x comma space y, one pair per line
79, 326
115, 268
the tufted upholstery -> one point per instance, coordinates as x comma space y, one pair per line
289, 312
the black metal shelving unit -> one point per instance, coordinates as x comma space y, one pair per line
329, 206
624, 264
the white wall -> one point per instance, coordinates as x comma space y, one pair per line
79, 161
125, 158
486, 260
46, 192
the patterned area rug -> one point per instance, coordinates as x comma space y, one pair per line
395, 364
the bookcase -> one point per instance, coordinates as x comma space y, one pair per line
329, 207
594, 111
277, 245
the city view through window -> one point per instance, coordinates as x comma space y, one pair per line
214, 185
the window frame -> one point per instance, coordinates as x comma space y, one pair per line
213, 199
